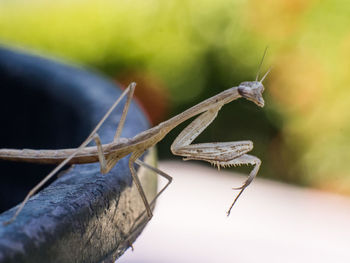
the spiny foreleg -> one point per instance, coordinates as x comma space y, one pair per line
221, 154
245, 159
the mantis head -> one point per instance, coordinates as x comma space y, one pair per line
252, 90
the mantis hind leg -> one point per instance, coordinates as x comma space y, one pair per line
125, 111
92, 135
107, 165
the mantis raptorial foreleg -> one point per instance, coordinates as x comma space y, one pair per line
244, 159
221, 154
195, 128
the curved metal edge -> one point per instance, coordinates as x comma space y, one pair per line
83, 216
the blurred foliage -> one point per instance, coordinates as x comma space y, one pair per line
185, 51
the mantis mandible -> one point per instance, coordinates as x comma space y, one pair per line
221, 154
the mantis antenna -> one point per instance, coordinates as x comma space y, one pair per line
267, 72
262, 60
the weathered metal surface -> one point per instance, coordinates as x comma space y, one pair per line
83, 216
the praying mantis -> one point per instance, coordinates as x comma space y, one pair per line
221, 154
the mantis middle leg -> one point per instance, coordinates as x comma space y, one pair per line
136, 226
106, 164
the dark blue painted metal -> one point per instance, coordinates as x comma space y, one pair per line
49, 104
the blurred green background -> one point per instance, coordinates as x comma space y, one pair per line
181, 52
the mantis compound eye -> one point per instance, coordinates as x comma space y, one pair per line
252, 90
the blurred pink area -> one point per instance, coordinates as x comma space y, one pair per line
272, 222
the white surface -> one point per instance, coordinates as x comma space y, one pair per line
272, 222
